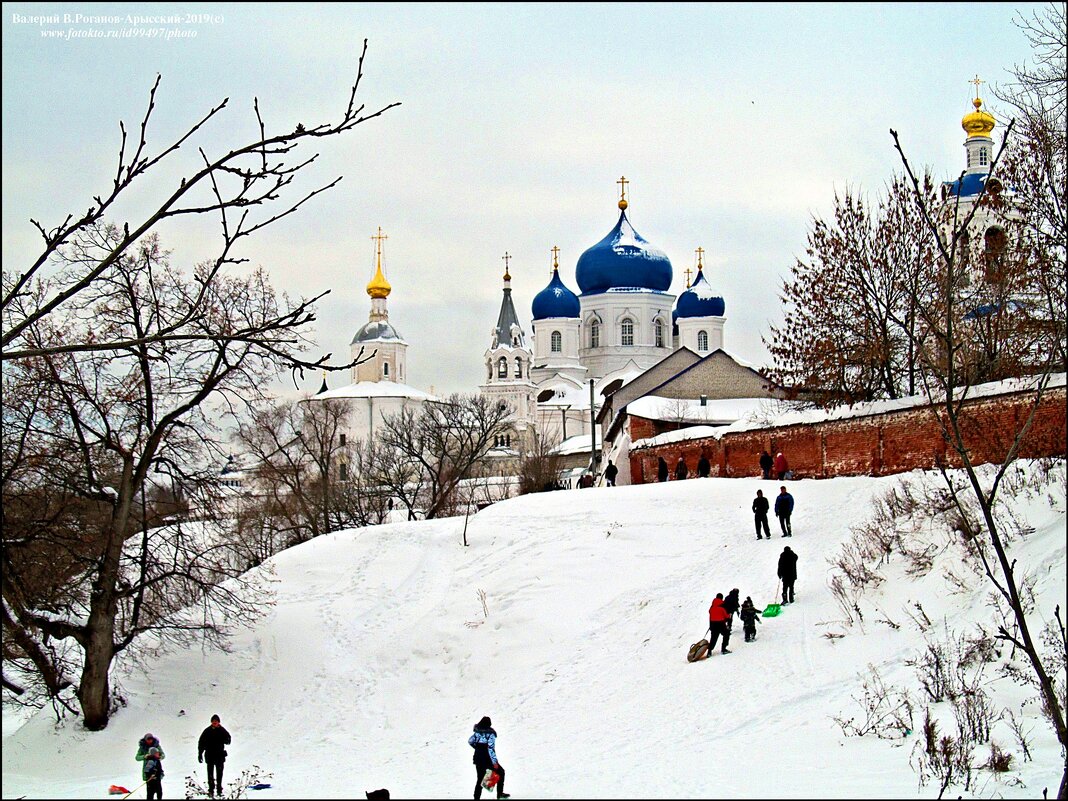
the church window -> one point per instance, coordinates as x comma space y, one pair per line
489, 371
626, 332
658, 328
502, 368
342, 440
518, 367
344, 472
983, 157
702, 341
595, 334
994, 243
556, 341
385, 369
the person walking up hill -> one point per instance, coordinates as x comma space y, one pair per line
788, 573
484, 741
718, 622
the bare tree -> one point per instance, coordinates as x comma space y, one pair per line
297, 452
850, 328
92, 430
539, 467
424, 454
248, 186
947, 379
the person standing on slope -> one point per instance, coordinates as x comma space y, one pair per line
681, 471
149, 754
704, 467
484, 741
788, 574
784, 507
760, 513
780, 466
731, 604
766, 463
718, 623
610, 474
212, 744
661, 470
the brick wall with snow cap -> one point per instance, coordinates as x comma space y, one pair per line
875, 439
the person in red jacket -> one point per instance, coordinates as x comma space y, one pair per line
718, 620
780, 466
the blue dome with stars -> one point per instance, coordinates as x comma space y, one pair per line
623, 260
698, 300
556, 300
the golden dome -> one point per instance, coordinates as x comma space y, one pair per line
978, 123
379, 286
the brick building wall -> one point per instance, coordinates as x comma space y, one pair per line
876, 445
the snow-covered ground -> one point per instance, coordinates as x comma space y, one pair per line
377, 657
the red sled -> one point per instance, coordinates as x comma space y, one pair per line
117, 789
490, 779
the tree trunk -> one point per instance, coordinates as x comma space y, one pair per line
95, 689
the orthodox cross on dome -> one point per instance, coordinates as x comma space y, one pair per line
507, 258
700, 253
622, 191
976, 81
688, 271
379, 237
556, 263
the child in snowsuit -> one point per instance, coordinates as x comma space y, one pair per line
152, 773
750, 616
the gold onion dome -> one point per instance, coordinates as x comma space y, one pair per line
379, 286
979, 122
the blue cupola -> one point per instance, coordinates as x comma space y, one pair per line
698, 300
556, 300
623, 260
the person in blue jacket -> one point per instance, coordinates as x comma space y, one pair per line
784, 507
484, 741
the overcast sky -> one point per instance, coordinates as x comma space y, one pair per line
733, 123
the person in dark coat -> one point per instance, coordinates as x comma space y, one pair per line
704, 467
731, 604
780, 466
680, 470
610, 474
760, 513
788, 574
661, 470
484, 741
212, 744
750, 616
784, 507
766, 463
718, 622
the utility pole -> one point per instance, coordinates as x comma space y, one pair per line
593, 432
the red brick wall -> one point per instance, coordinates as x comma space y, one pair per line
883, 444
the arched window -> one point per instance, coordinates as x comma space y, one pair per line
489, 371
658, 330
502, 368
518, 367
556, 342
595, 334
626, 332
994, 243
385, 369
702, 341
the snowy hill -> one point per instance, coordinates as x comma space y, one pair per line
377, 658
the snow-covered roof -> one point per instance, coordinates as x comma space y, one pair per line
868, 409
580, 443
721, 411
375, 389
